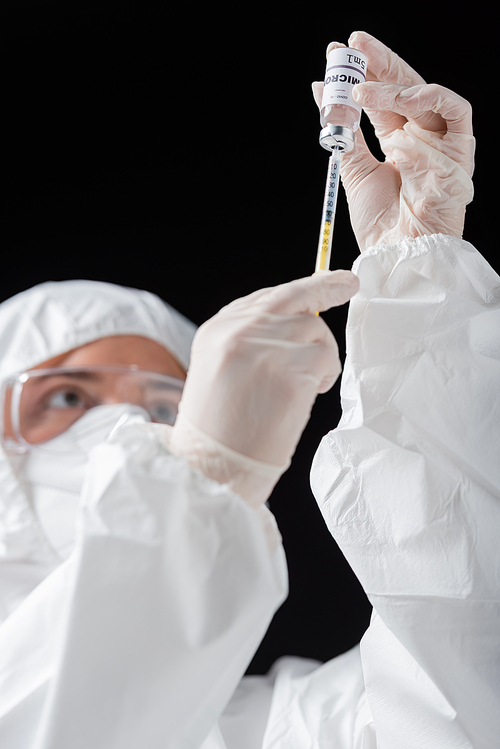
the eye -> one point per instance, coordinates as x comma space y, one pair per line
65, 399
163, 413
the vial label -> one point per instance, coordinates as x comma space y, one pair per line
345, 67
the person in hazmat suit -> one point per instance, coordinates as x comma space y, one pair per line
139, 565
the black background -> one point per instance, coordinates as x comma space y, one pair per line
174, 148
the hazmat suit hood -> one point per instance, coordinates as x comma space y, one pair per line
45, 321
58, 316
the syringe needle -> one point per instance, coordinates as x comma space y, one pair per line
328, 217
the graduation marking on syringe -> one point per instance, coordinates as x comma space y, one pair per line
328, 217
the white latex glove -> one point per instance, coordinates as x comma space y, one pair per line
256, 368
425, 131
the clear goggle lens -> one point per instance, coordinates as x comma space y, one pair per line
41, 404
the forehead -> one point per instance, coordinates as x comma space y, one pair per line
122, 350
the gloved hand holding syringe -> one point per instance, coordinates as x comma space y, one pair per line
340, 117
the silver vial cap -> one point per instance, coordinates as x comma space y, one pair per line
336, 138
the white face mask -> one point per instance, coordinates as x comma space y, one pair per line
52, 473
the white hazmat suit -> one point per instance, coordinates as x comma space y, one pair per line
133, 624
141, 635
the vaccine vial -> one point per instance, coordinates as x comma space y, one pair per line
339, 114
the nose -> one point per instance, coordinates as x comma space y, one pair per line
123, 390
113, 400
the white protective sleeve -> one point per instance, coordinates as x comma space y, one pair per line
141, 636
409, 486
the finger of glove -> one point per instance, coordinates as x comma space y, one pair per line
358, 163
312, 294
334, 45
433, 108
317, 90
328, 365
294, 297
383, 64
332, 366
286, 330
298, 349
430, 104
380, 101
317, 86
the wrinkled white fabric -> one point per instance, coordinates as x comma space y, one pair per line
52, 473
409, 485
300, 703
141, 636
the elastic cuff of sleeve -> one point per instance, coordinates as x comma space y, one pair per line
251, 479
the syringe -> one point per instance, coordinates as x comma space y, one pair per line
339, 115
328, 217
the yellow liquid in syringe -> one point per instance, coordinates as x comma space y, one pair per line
325, 246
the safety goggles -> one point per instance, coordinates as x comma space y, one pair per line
41, 404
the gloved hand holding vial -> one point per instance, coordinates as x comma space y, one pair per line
425, 133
